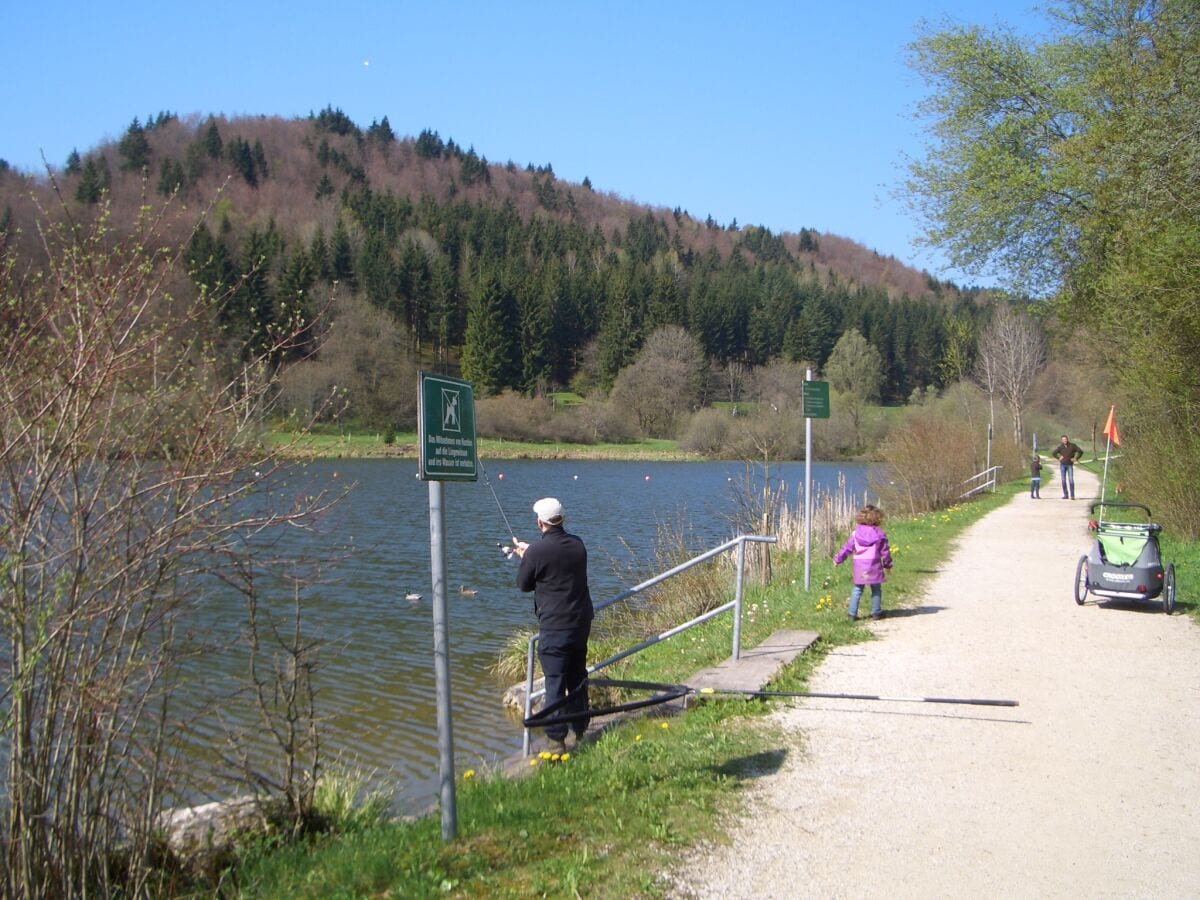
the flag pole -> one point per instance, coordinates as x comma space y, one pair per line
1104, 480
1110, 428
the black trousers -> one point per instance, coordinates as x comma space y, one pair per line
563, 655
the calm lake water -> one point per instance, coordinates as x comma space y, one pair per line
376, 689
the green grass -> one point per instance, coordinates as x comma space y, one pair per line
604, 821
371, 445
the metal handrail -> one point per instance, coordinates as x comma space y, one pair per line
990, 483
735, 605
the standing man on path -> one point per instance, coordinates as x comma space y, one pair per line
555, 570
1066, 453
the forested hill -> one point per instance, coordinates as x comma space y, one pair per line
506, 272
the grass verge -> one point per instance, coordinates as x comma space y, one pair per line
405, 446
610, 818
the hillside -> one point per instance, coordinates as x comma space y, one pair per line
521, 279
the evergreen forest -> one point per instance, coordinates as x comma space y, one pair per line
409, 253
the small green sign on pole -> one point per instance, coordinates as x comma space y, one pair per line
447, 420
816, 399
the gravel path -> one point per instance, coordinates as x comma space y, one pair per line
1091, 787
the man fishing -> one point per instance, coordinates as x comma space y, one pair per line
555, 570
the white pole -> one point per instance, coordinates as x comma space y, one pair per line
1104, 480
807, 492
441, 659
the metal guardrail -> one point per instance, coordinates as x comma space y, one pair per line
993, 472
735, 605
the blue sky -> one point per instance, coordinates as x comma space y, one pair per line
780, 114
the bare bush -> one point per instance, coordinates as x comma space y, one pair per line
130, 479
926, 460
512, 417
707, 432
664, 383
594, 421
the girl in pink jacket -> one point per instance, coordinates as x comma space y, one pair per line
869, 545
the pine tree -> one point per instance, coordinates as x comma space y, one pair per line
341, 256
170, 177
259, 155
208, 262
381, 133
90, 187
429, 145
318, 254
241, 157
134, 148
488, 347
213, 145
74, 163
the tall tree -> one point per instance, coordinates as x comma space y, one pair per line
489, 348
1068, 165
1012, 351
855, 370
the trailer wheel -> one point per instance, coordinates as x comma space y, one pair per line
1081, 580
1168, 592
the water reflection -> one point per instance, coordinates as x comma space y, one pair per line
376, 687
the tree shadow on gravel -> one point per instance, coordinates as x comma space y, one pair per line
757, 765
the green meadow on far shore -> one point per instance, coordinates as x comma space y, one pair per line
330, 445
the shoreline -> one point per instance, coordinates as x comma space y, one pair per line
306, 447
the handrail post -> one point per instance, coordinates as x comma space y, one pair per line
528, 691
737, 600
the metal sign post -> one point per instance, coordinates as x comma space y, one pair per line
816, 406
446, 417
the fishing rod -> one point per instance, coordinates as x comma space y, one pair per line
966, 701
664, 693
507, 551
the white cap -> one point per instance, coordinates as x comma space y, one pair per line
549, 510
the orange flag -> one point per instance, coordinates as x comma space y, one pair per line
1110, 427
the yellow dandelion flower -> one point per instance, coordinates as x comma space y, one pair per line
470, 773
545, 754
638, 737
533, 762
555, 757
665, 725
565, 757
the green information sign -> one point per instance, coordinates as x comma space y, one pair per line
816, 399
447, 420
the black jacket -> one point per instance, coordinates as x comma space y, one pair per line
555, 569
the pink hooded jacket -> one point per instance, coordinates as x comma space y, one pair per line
872, 555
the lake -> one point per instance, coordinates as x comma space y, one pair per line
376, 688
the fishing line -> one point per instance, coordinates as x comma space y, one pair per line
512, 534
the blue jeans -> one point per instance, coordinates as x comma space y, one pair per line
876, 598
1035, 485
1066, 474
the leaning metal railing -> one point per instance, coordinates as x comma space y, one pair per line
735, 605
991, 475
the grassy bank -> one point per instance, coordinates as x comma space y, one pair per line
405, 446
606, 820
